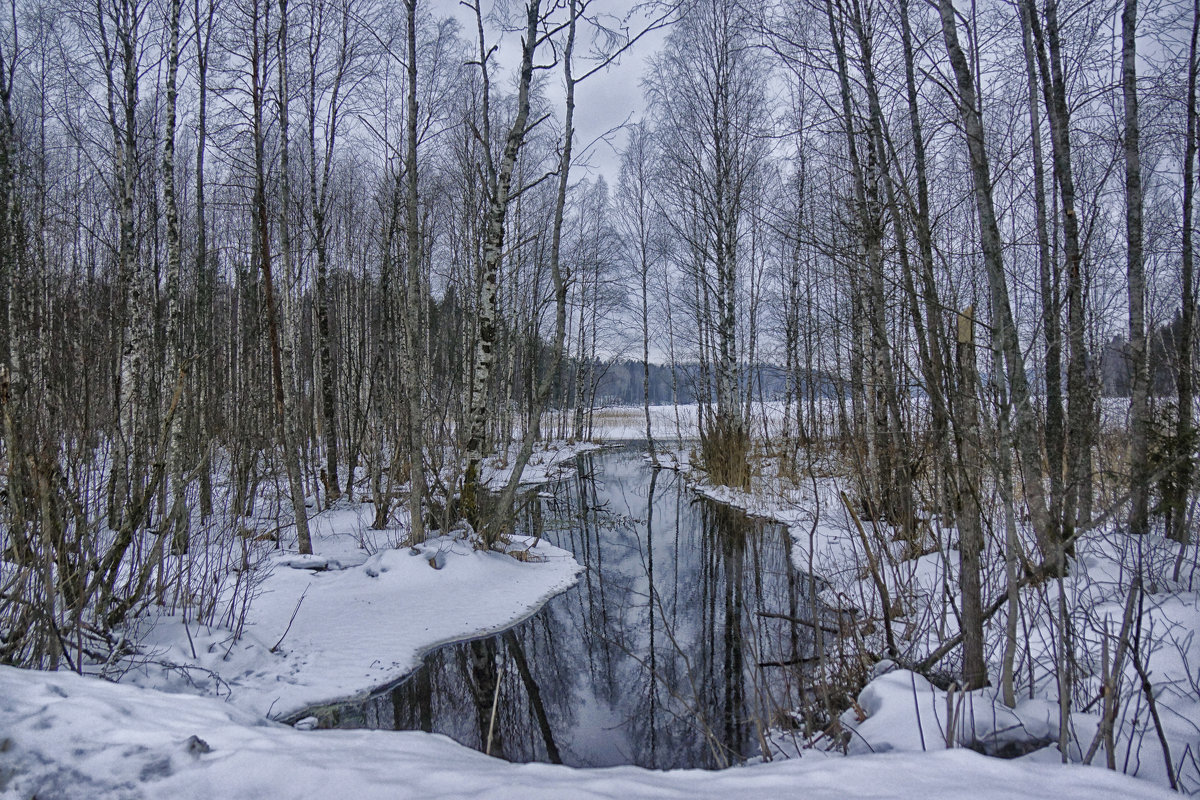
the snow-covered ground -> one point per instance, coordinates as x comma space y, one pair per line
192, 715
361, 621
670, 422
549, 461
899, 711
67, 737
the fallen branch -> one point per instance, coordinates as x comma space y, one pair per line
1031, 577
834, 629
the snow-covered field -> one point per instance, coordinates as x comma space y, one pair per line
667, 422
623, 423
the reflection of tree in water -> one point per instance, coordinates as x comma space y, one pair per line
655, 658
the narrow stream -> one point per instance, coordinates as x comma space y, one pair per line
661, 656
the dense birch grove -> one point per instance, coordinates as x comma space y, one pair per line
258, 257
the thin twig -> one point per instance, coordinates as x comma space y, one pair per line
295, 611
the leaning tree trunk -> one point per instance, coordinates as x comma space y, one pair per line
546, 383
1004, 331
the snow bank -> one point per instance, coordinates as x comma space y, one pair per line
549, 461
68, 737
902, 712
359, 621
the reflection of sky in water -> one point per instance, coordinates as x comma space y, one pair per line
599, 732
652, 659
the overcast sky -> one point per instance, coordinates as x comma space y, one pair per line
603, 102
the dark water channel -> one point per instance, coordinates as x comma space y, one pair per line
661, 656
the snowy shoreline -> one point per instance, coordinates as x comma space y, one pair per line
358, 627
360, 615
901, 711
365, 622
72, 738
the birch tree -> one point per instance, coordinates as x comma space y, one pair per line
498, 180
705, 92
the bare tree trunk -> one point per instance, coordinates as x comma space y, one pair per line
645, 275
635, 201
126, 481
970, 530
1076, 506
1004, 332
890, 486
318, 202
1139, 373
499, 179
1052, 329
901, 505
413, 297
175, 358
582, 367
205, 329
930, 335
291, 416
674, 364
857, 388
8, 223
1012, 544
646, 364
282, 390
1184, 432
